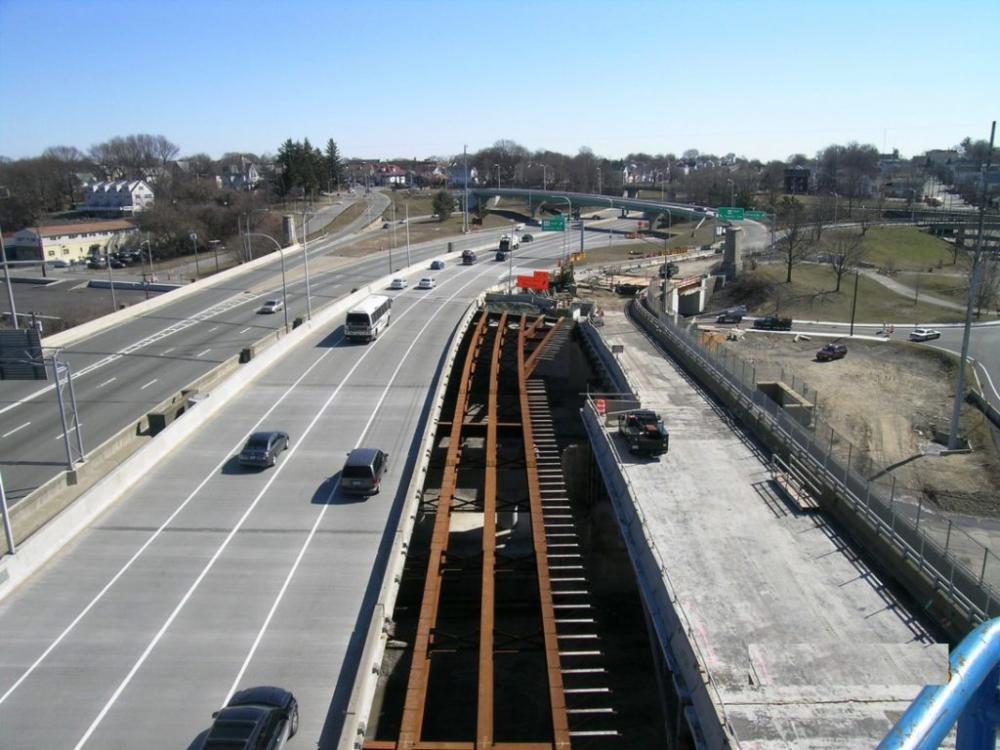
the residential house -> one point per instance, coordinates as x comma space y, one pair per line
240, 175
68, 242
118, 196
390, 174
456, 176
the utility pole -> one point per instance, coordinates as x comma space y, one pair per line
408, 233
465, 186
956, 411
305, 262
854, 301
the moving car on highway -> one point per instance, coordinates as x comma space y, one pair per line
398, 284
924, 334
260, 717
426, 283
363, 470
271, 306
437, 265
262, 448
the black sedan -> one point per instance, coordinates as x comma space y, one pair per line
526, 238
262, 448
259, 717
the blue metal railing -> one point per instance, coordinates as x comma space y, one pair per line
969, 698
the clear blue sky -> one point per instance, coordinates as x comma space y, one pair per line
401, 79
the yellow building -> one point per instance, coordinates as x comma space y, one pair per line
68, 241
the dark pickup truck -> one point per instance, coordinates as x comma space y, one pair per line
831, 352
772, 323
644, 432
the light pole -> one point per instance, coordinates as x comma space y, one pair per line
659, 175
611, 230
600, 187
149, 255
281, 255
305, 262
407, 207
498, 175
569, 216
194, 244
111, 284
10, 288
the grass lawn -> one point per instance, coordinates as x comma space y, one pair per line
940, 283
419, 202
809, 297
908, 249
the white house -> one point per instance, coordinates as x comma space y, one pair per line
118, 195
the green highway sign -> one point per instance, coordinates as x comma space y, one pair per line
759, 215
731, 214
558, 224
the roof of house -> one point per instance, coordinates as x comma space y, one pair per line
110, 225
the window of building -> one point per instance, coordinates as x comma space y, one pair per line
65, 251
52, 253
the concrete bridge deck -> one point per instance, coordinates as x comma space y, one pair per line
780, 634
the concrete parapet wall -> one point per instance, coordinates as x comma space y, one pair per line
57, 517
352, 735
671, 629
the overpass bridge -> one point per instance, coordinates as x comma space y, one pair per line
557, 200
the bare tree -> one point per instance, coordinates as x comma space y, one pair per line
988, 291
847, 250
795, 243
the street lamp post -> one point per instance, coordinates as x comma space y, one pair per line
600, 187
149, 256
284, 290
111, 284
498, 175
305, 262
611, 230
407, 207
10, 288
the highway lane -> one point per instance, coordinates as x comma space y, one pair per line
152, 358
205, 577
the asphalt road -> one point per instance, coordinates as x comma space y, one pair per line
122, 373
206, 578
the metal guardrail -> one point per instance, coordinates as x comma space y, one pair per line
864, 487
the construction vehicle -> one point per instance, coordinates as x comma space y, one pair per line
644, 432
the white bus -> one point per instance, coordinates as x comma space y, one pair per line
369, 318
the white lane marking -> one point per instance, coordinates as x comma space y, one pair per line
333, 490
246, 329
108, 382
232, 533
70, 431
148, 384
155, 535
167, 351
206, 351
8, 434
989, 380
214, 328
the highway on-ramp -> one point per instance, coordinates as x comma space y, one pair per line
205, 578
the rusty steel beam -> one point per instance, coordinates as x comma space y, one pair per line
536, 324
484, 714
557, 696
532, 362
416, 687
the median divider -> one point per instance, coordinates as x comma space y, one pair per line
64, 506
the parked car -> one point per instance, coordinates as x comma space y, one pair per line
259, 717
729, 316
437, 265
398, 284
115, 263
831, 352
773, 323
270, 307
527, 238
262, 448
644, 432
924, 334
60, 264
363, 470
426, 283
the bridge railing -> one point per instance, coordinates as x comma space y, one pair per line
969, 698
961, 570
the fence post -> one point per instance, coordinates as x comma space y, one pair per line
982, 573
847, 467
947, 537
892, 492
920, 507
829, 452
